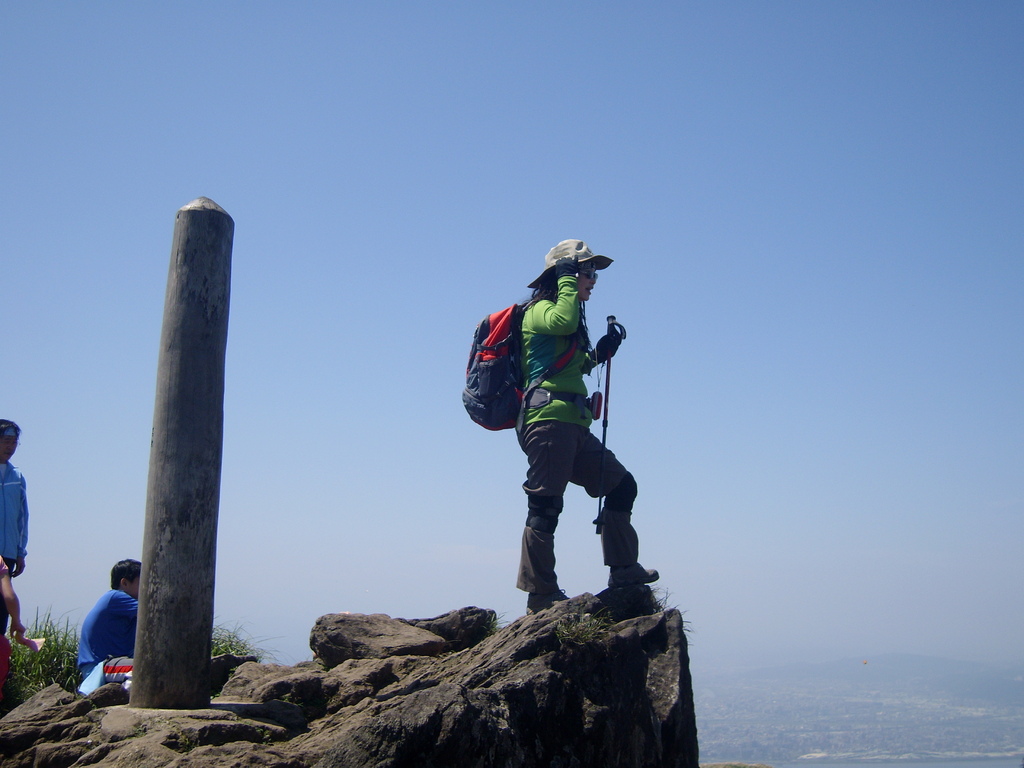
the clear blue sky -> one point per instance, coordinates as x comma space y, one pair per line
816, 212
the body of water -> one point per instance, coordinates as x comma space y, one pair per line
993, 762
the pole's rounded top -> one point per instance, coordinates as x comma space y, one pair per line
203, 204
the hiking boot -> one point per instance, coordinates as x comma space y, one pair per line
537, 602
629, 575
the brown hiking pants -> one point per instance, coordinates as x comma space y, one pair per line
559, 454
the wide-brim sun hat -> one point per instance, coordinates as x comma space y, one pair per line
568, 249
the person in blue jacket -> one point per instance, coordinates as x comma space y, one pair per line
13, 502
109, 629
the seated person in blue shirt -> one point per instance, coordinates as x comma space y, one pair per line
109, 629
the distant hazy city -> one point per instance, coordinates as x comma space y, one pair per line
896, 707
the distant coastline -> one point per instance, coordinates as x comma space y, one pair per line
997, 761
982, 761
900, 709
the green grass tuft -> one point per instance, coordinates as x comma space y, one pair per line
580, 628
234, 639
56, 661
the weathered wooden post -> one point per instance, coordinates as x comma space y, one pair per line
179, 548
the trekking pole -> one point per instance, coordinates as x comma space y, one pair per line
614, 328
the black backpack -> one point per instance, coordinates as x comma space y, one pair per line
494, 390
493, 393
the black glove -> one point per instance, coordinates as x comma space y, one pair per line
570, 265
607, 347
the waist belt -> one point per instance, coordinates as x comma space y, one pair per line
538, 398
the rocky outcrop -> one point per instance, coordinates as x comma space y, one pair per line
596, 680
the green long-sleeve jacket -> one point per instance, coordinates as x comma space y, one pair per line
548, 329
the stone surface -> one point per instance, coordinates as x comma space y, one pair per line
223, 665
595, 680
109, 695
338, 637
460, 629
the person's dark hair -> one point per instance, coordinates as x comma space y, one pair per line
548, 291
6, 424
126, 569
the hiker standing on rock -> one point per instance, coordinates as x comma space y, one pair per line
554, 430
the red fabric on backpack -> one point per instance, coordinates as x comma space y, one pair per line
493, 393
117, 669
494, 389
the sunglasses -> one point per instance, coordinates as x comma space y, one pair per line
590, 273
